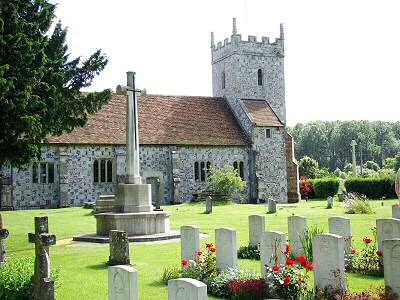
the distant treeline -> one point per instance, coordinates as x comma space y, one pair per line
329, 142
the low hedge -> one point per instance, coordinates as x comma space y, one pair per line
325, 187
375, 188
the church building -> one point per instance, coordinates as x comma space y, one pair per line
181, 137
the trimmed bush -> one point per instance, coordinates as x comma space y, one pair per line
375, 188
15, 279
324, 188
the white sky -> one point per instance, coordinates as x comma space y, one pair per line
342, 57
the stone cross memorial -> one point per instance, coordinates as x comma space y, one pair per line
3, 235
122, 283
297, 225
273, 244
387, 229
43, 284
341, 226
329, 272
391, 265
190, 242
256, 228
119, 248
186, 289
226, 244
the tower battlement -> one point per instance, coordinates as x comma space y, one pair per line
250, 46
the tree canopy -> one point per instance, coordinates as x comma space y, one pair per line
40, 85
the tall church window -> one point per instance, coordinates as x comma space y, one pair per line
268, 133
96, 171
223, 80
239, 166
35, 172
43, 172
196, 171
260, 77
102, 171
201, 170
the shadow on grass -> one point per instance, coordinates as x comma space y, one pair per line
376, 277
157, 283
101, 266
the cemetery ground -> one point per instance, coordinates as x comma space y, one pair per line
83, 268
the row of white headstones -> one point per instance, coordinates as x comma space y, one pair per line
328, 251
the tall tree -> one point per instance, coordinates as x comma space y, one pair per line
40, 86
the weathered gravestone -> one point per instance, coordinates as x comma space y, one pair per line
271, 206
122, 283
208, 205
391, 265
190, 242
342, 226
387, 229
119, 248
256, 228
396, 211
226, 244
43, 284
273, 244
329, 202
328, 259
297, 225
3, 236
186, 289
158, 196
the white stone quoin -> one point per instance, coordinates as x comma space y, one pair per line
328, 255
226, 244
391, 265
256, 228
342, 226
273, 244
122, 283
190, 242
186, 289
396, 211
297, 225
387, 229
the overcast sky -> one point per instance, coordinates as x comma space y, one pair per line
342, 57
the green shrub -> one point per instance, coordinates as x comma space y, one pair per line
326, 187
249, 252
356, 204
170, 273
16, 279
374, 188
306, 240
308, 167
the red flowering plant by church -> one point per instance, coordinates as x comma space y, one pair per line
288, 280
204, 265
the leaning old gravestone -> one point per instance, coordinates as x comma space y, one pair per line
328, 253
122, 283
273, 244
341, 226
387, 229
43, 284
329, 202
186, 289
296, 227
190, 242
3, 236
119, 248
391, 265
256, 228
226, 244
271, 206
396, 211
208, 205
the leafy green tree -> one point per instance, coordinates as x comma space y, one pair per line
39, 83
397, 166
390, 163
371, 165
308, 167
225, 181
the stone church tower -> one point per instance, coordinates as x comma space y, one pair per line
250, 76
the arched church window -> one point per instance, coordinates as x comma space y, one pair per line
196, 171
202, 171
260, 77
96, 171
223, 80
109, 171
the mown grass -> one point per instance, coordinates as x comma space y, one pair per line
83, 265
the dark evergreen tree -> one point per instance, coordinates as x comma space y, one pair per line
40, 85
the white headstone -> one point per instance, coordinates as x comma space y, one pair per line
226, 244
273, 244
296, 227
256, 227
387, 229
341, 226
329, 202
122, 283
396, 211
391, 264
328, 255
186, 289
190, 242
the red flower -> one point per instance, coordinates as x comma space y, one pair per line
289, 262
213, 249
184, 262
275, 268
353, 250
302, 260
286, 281
287, 249
379, 252
199, 253
367, 240
209, 245
309, 267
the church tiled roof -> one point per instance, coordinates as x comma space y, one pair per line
163, 120
261, 114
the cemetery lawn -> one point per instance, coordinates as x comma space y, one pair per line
83, 269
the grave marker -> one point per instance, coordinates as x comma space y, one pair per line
329, 202
256, 228
208, 205
396, 211
186, 289
226, 244
296, 227
391, 264
190, 242
122, 283
271, 206
273, 244
387, 229
119, 248
342, 226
